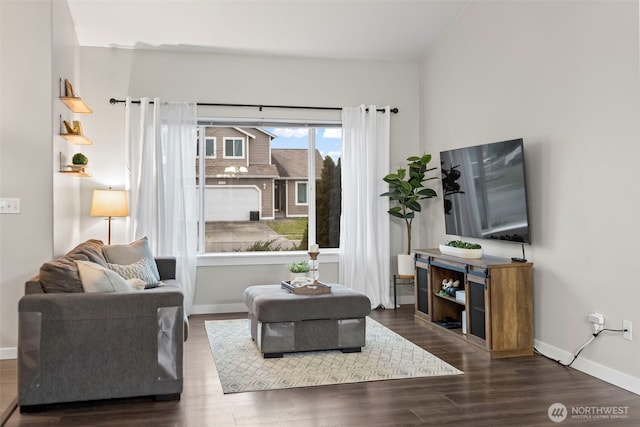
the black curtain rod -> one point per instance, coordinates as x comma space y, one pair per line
296, 107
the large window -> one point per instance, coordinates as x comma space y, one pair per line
275, 188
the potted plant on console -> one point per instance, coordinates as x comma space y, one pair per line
462, 249
406, 188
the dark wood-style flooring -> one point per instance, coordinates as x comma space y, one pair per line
508, 392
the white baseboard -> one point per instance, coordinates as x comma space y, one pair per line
219, 308
8, 353
594, 369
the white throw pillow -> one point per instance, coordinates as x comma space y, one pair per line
128, 254
138, 270
96, 278
137, 284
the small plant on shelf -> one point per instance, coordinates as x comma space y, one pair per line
79, 159
463, 245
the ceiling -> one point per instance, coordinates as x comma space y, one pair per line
383, 30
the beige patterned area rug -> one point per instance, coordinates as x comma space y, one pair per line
385, 356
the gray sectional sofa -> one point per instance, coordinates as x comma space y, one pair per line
79, 346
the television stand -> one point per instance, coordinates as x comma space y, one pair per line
494, 308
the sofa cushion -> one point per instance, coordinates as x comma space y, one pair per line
61, 274
140, 269
128, 254
96, 278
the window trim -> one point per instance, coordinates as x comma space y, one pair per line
255, 258
207, 139
233, 138
297, 200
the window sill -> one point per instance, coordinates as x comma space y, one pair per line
262, 258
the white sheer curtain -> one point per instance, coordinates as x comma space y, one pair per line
161, 147
364, 225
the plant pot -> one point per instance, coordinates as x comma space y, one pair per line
293, 276
460, 252
406, 265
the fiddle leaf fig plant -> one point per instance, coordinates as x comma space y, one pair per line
406, 189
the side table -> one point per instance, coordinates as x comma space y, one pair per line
400, 279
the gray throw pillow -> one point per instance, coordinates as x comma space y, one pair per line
128, 254
61, 274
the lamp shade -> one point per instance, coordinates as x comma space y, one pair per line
109, 203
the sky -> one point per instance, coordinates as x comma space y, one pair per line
328, 140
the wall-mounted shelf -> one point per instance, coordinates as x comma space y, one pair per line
73, 132
74, 170
77, 174
76, 139
75, 103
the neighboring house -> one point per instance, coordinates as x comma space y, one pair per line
292, 183
245, 179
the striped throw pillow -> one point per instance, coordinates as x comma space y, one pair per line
138, 270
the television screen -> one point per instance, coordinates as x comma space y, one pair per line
485, 193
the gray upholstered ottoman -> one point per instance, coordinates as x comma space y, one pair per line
282, 322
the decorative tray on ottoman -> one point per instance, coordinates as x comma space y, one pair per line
308, 289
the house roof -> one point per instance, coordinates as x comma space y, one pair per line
292, 162
250, 135
266, 132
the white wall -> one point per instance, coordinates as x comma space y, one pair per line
212, 78
25, 153
66, 188
565, 77
38, 46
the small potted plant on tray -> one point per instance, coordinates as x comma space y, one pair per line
298, 269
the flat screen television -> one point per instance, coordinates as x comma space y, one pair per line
485, 192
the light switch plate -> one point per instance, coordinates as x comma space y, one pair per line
9, 206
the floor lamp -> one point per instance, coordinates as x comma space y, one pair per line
109, 203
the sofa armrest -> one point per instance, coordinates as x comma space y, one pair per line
166, 267
33, 286
89, 346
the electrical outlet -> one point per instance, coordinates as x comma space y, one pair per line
9, 206
628, 334
596, 318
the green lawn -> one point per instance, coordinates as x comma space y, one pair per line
291, 228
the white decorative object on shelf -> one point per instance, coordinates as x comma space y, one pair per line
459, 252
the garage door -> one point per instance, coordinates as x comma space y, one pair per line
230, 203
